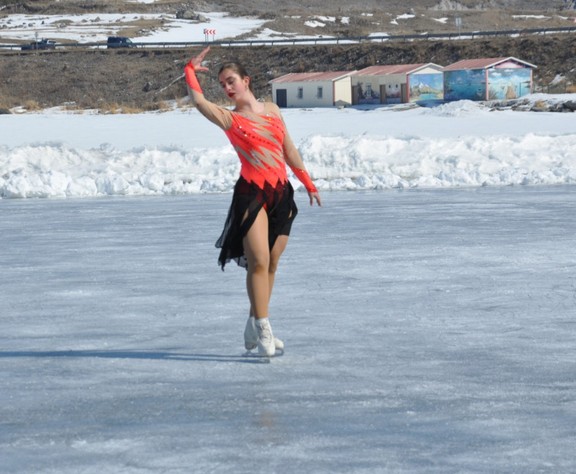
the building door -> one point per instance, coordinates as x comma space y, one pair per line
281, 98
382, 93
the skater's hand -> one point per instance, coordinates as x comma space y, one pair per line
314, 196
196, 62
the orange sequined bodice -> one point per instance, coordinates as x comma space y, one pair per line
258, 140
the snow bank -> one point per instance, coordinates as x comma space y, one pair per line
407, 162
335, 162
54, 154
56, 170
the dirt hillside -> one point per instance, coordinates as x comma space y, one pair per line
143, 79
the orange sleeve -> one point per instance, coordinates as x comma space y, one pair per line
304, 178
191, 78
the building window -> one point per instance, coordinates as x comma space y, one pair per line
369, 93
300, 92
319, 94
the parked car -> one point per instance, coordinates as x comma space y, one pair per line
42, 44
120, 42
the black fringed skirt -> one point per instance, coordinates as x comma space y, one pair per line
247, 201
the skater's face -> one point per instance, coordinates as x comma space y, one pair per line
233, 85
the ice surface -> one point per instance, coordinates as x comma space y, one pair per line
426, 331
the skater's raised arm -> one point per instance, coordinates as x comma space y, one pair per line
216, 114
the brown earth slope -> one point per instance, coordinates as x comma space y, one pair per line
145, 79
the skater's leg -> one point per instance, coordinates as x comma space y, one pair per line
258, 258
275, 254
261, 261
277, 250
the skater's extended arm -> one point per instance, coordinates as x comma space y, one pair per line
216, 114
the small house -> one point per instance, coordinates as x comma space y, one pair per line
488, 79
400, 83
313, 89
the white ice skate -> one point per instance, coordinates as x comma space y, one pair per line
251, 336
266, 347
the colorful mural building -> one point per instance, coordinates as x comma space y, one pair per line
470, 79
488, 79
399, 83
313, 89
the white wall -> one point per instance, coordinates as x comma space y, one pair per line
343, 91
332, 91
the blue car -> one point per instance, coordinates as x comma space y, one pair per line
119, 42
42, 44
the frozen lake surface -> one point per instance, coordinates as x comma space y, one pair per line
425, 330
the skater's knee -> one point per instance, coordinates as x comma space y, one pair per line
259, 263
276, 253
273, 265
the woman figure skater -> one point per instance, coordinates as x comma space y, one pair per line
262, 211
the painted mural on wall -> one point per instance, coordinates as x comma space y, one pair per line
506, 84
465, 84
503, 83
393, 94
367, 94
426, 87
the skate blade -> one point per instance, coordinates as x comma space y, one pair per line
264, 358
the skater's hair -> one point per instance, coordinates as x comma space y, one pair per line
238, 69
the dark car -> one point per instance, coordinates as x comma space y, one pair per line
120, 42
42, 44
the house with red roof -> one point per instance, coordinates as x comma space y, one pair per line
313, 89
398, 83
488, 79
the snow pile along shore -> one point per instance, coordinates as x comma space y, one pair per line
457, 144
